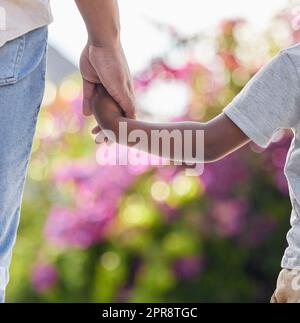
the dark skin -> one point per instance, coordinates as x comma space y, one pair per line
103, 60
221, 135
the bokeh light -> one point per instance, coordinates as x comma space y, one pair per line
102, 233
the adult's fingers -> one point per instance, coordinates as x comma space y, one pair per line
127, 104
112, 69
88, 91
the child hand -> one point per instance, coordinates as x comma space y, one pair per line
107, 113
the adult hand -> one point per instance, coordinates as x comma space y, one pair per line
108, 66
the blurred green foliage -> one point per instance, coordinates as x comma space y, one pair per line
92, 233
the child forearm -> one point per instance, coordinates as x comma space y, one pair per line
219, 137
188, 142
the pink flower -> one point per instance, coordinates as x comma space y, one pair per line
227, 26
95, 195
76, 109
229, 60
76, 171
159, 69
258, 230
221, 178
228, 216
44, 276
292, 17
275, 160
170, 212
81, 228
278, 157
281, 182
167, 173
188, 267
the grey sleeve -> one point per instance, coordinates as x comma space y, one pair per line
269, 102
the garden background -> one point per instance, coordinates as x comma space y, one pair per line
97, 233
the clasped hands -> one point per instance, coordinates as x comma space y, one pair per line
106, 66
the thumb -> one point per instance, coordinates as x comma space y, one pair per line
88, 91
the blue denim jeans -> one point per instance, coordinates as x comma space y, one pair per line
22, 81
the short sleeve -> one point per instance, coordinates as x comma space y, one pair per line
269, 102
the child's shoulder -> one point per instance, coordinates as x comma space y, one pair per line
293, 51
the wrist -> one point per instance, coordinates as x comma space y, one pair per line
109, 48
111, 41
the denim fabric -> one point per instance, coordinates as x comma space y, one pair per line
2, 296
22, 80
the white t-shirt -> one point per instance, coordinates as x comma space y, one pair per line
17, 17
269, 102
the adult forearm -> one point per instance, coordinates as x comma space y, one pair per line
102, 21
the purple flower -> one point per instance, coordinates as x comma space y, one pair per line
170, 212
258, 230
188, 267
82, 228
281, 182
275, 161
123, 294
96, 192
228, 216
77, 172
76, 110
167, 173
222, 177
278, 157
44, 276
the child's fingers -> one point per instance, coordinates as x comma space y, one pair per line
96, 130
101, 90
88, 90
102, 139
103, 95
